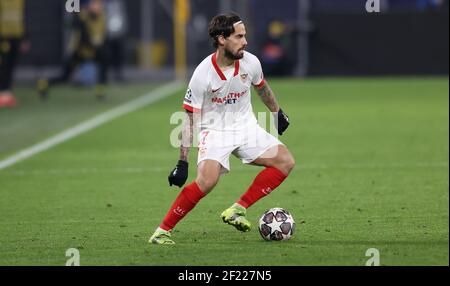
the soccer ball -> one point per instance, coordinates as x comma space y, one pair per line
276, 224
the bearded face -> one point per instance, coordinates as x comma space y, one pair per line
236, 43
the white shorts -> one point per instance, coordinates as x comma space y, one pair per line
248, 145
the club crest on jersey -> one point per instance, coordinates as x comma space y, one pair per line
244, 77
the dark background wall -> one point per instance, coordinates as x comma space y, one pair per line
371, 44
44, 22
344, 39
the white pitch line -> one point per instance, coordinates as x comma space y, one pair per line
90, 124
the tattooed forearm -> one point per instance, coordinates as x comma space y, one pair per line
187, 136
268, 97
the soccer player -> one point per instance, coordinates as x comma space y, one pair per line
218, 103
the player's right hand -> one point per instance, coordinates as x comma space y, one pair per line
179, 175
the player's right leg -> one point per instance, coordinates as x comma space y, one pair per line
207, 177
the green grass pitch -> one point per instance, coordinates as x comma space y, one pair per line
372, 172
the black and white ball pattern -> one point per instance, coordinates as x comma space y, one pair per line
276, 224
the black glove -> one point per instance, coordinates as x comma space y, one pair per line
179, 175
283, 122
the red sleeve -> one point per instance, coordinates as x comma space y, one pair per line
261, 84
190, 108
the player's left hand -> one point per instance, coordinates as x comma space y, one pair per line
283, 122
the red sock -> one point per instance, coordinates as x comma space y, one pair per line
186, 201
266, 181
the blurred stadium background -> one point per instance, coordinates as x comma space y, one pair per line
368, 98
306, 38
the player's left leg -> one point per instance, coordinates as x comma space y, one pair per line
278, 163
262, 149
278, 157
277, 169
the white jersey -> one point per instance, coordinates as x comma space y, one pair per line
223, 99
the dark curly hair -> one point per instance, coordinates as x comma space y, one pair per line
222, 25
